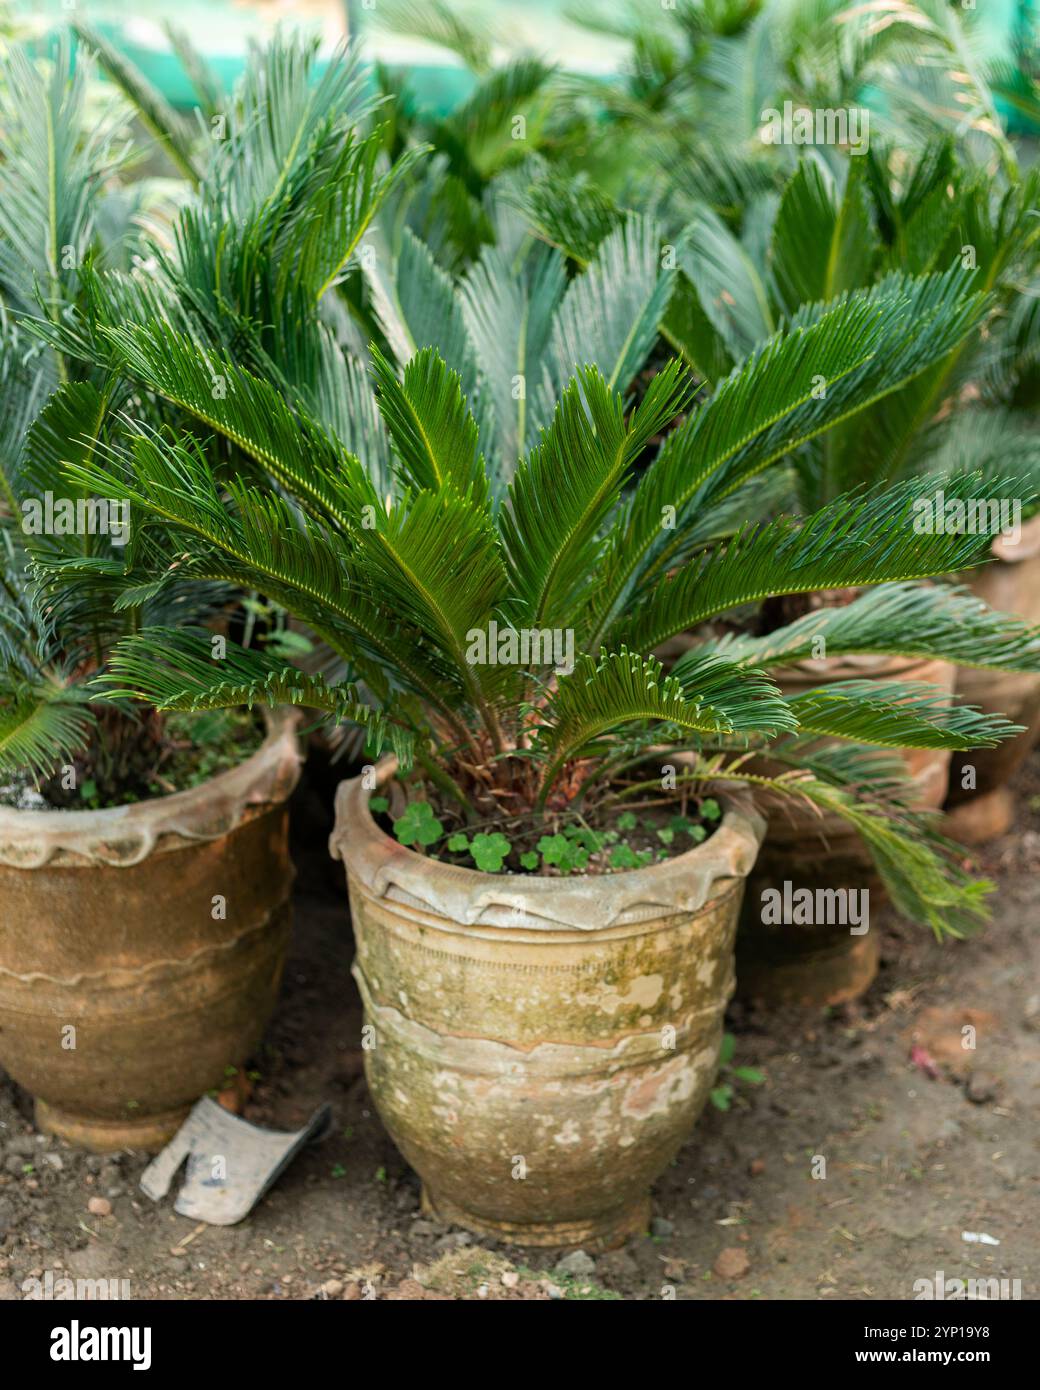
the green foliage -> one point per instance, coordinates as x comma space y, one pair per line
724, 1091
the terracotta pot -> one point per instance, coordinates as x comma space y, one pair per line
124, 991
541, 1046
816, 965
1010, 584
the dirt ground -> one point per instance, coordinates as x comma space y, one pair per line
922, 1139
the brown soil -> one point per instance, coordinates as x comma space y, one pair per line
917, 1151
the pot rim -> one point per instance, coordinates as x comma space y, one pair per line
1028, 546
473, 897
126, 834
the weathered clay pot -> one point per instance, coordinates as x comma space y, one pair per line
816, 965
124, 992
541, 1046
1010, 584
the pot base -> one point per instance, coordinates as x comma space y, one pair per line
148, 1134
983, 818
593, 1236
808, 979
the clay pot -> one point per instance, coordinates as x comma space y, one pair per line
541, 1047
125, 990
1010, 584
813, 966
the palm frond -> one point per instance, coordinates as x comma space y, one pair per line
43, 724
179, 669
609, 317
561, 496
849, 543
896, 714
622, 688
916, 620
434, 434
176, 135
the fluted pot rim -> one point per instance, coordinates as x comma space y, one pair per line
472, 897
124, 835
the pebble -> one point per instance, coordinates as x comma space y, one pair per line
981, 1088
54, 1161
732, 1263
510, 1279
577, 1263
455, 1241
332, 1288
757, 1167
660, 1226
99, 1206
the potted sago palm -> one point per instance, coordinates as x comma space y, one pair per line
144, 865
545, 875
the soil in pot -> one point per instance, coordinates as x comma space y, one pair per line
539, 1046
142, 946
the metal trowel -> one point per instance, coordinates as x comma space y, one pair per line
231, 1163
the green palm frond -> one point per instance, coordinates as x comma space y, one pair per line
191, 669
567, 211
176, 135
204, 79
416, 306
913, 620
561, 496
434, 435
622, 688
918, 867
467, 34
249, 412
43, 723
610, 316
823, 239
482, 132
803, 382
49, 177
896, 714
850, 543
509, 319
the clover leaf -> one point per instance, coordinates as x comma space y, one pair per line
623, 857
553, 848
489, 851
418, 825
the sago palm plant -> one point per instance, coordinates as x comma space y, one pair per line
417, 587
426, 518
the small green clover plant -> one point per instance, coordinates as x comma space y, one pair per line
568, 850
722, 1095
